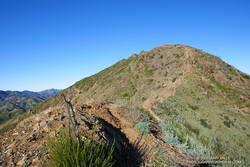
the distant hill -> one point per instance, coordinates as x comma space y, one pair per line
13, 103
183, 99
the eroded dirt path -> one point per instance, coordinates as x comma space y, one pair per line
112, 112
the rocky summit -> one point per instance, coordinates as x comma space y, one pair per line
187, 107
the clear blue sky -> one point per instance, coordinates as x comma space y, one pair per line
54, 43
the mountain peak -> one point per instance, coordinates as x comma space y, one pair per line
178, 95
173, 51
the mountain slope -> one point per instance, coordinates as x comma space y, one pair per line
182, 97
200, 101
13, 103
197, 96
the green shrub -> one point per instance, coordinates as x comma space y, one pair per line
143, 126
145, 115
193, 107
205, 124
126, 94
186, 143
170, 138
148, 71
65, 151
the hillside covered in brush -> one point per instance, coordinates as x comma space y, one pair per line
14, 103
191, 103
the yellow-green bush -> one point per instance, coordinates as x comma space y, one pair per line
65, 151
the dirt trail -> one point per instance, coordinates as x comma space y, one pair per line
151, 140
113, 114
